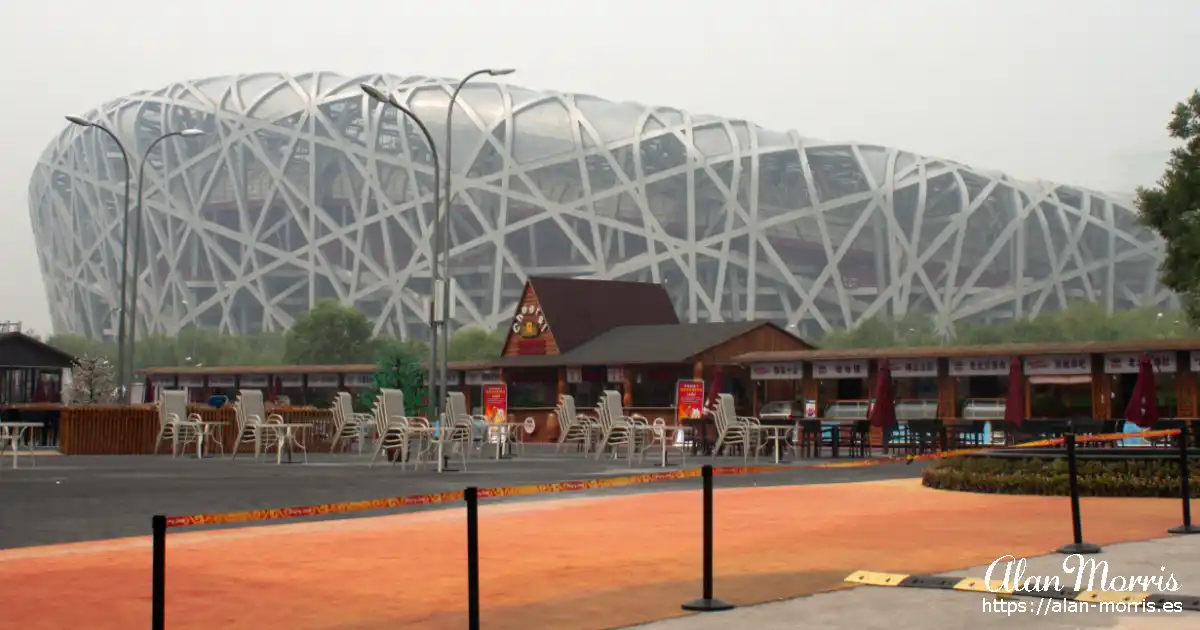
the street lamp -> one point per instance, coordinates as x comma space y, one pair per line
444, 229
377, 95
137, 243
83, 122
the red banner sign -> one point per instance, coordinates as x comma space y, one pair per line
495, 402
689, 399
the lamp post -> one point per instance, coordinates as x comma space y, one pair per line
377, 95
137, 245
444, 228
83, 122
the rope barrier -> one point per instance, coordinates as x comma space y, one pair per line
247, 516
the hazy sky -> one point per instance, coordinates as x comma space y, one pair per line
1076, 91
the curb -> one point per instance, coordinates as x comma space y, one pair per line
980, 585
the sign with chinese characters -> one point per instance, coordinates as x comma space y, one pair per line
979, 366
777, 371
614, 375
1127, 362
913, 368
574, 375
221, 381
191, 380
689, 400
251, 381
480, 377
1058, 364
495, 402
290, 380
323, 381
840, 369
357, 380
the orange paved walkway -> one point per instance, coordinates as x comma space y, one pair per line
572, 564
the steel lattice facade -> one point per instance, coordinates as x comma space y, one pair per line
303, 189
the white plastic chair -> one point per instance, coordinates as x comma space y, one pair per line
349, 426
574, 426
253, 422
732, 428
174, 422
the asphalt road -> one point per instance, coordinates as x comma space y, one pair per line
70, 499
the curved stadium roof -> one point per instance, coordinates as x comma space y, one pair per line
304, 189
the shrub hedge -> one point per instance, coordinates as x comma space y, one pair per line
1048, 476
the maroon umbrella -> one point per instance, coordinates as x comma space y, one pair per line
148, 395
714, 387
883, 412
1014, 402
278, 385
1143, 403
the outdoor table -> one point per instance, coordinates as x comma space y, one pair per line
501, 433
701, 444
665, 430
776, 433
206, 433
12, 432
835, 443
287, 437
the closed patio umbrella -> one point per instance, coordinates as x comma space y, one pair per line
275, 387
148, 396
714, 388
1014, 402
883, 412
1143, 403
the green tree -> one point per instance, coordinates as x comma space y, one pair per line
397, 369
1170, 207
390, 346
1079, 321
330, 334
475, 344
78, 345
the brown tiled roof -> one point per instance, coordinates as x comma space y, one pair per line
580, 309
632, 345
991, 350
20, 350
362, 368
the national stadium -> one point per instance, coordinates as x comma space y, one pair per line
303, 189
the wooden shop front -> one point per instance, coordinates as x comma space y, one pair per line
581, 337
1074, 379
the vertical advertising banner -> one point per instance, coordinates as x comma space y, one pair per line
810, 408
495, 402
689, 400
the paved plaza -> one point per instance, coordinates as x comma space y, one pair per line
586, 561
873, 608
69, 499
578, 561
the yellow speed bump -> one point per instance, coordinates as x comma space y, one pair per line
980, 585
1111, 596
874, 578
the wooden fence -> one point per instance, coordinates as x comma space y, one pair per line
133, 429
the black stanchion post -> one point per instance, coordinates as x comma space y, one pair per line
158, 573
472, 497
1078, 546
1185, 483
707, 603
